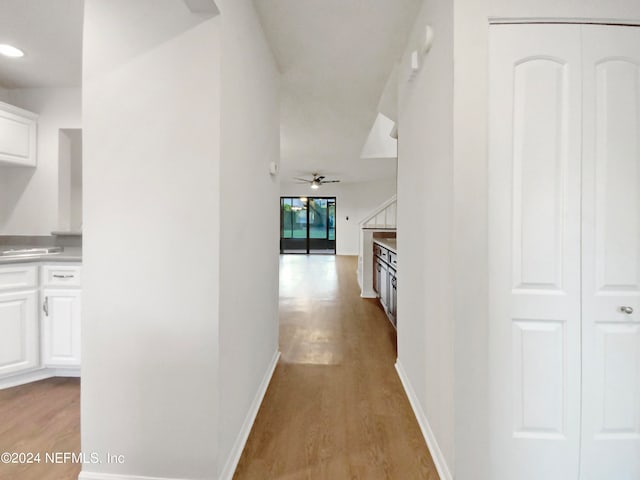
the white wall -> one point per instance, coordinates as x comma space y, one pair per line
581, 9
75, 192
249, 218
353, 200
29, 197
70, 179
64, 180
151, 107
425, 195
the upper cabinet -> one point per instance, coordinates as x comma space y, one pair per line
17, 136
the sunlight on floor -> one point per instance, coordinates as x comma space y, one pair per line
309, 324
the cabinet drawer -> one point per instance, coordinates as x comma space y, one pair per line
60, 276
393, 259
18, 277
384, 254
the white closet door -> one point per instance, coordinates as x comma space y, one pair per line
611, 251
534, 172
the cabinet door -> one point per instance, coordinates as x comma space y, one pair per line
18, 332
392, 295
384, 285
534, 251
376, 275
611, 254
17, 136
61, 327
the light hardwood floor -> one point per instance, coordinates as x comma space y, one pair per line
335, 408
41, 417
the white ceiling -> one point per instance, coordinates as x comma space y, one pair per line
50, 34
335, 57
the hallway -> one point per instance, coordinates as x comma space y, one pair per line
335, 408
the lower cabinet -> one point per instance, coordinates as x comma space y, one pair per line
19, 334
393, 296
39, 321
61, 327
385, 280
384, 285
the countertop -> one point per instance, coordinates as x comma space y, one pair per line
388, 243
69, 254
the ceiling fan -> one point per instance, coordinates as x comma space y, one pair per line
316, 182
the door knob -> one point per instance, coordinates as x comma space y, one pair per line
627, 310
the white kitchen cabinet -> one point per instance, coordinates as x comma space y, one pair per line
61, 327
564, 255
19, 333
61, 299
67, 276
18, 134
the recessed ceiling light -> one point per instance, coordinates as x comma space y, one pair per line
11, 51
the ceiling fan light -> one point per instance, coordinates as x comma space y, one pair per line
315, 185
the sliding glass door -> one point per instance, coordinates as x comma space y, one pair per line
308, 225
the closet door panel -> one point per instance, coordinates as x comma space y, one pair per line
611, 253
534, 209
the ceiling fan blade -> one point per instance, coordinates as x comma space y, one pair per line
303, 179
319, 177
331, 181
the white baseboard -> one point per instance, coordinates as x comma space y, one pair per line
28, 377
427, 433
241, 439
37, 375
67, 372
112, 476
236, 451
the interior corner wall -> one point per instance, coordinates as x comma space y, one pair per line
151, 140
64, 181
425, 221
249, 222
29, 199
353, 201
75, 188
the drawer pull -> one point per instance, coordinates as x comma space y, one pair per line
56, 275
45, 306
